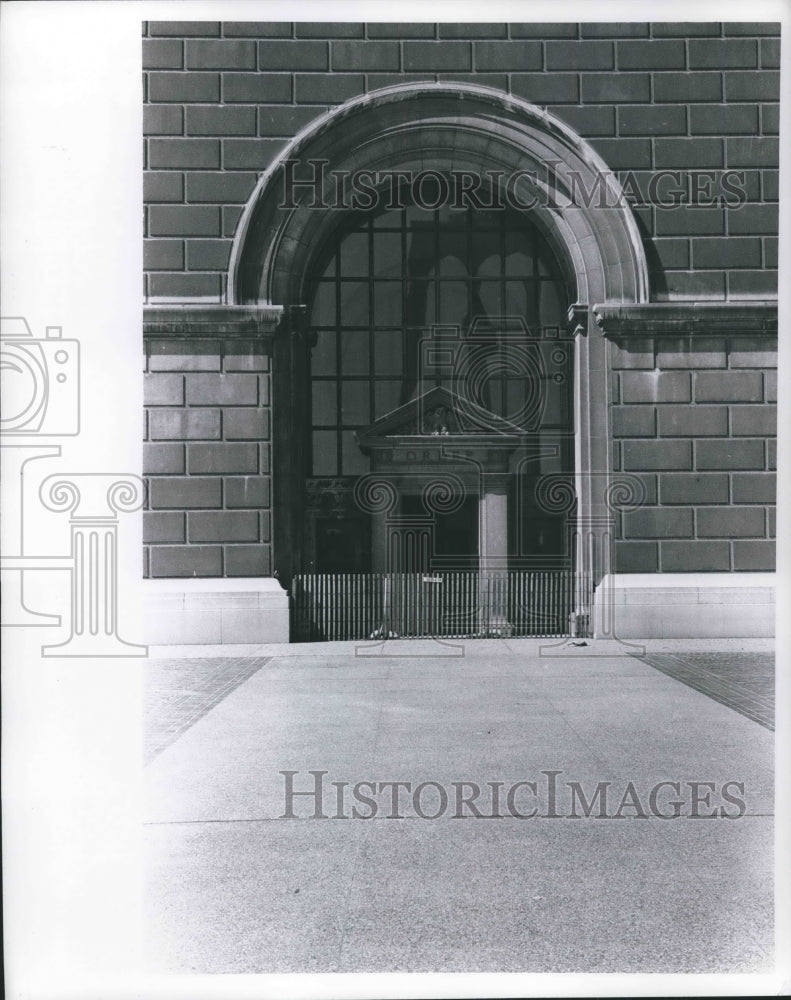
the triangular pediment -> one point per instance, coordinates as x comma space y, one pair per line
438, 412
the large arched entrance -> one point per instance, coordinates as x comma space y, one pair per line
376, 270
394, 289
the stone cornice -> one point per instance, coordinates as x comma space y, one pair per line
210, 320
692, 318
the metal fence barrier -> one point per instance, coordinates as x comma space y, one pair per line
454, 604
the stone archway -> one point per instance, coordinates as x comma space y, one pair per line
575, 201
450, 127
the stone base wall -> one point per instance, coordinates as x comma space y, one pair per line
686, 605
214, 612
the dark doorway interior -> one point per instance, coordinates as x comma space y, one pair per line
453, 534
343, 545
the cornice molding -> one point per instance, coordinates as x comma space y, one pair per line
749, 318
211, 320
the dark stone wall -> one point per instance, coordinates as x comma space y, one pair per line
207, 458
221, 100
695, 419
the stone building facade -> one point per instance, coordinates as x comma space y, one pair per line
638, 166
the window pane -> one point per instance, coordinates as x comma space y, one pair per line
486, 256
389, 220
487, 220
355, 403
518, 252
451, 266
490, 296
515, 399
354, 462
544, 259
387, 397
452, 253
453, 218
387, 303
552, 309
323, 313
418, 216
325, 461
354, 304
354, 256
388, 356
515, 298
420, 303
387, 255
322, 356
329, 270
354, 352
494, 396
420, 252
519, 265
531, 313
324, 403
453, 302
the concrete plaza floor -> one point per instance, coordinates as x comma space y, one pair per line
235, 888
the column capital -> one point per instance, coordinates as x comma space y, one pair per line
92, 496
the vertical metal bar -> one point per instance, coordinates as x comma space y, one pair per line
318, 604
343, 610
300, 600
337, 588
358, 605
293, 613
546, 610
337, 601
555, 616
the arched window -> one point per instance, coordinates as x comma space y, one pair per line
385, 281
384, 285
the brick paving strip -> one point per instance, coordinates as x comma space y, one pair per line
178, 693
741, 681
